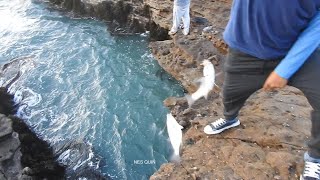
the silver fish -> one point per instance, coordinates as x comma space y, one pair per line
207, 83
175, 135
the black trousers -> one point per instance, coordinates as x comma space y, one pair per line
245, 74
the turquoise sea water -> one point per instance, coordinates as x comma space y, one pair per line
79, 83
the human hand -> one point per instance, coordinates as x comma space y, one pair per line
274, 81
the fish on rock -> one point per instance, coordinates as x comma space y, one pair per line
207, 83
175, 135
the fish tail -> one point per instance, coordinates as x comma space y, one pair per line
190, 100
206, 96
175, 158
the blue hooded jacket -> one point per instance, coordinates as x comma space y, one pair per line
267, 29
307, 42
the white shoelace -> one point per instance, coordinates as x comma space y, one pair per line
312, 170
218, 122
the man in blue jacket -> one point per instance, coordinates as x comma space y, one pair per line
273, 43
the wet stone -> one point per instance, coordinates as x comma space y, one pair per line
5, 127
8, 147
183, 123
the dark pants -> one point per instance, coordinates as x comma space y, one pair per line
245, 74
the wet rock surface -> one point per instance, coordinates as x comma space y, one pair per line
37, 154
7, 105
22, 154
123, 17
9, 150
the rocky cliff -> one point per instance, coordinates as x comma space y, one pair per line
22, 154
270, 141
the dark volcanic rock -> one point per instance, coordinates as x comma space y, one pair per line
121, 12
7, 106
157, 33
36, 153
10, 157
8, 147
20, 147
123, 17
103, 10
5, 128
136, 26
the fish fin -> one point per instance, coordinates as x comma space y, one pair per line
199, 81
175, 158
206, 96
190, 100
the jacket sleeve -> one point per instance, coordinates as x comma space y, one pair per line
306, 44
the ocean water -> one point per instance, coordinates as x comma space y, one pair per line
96, 98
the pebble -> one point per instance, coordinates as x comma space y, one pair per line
277, 177
195, 168
285, 125
207, 29
183, 123
27, 171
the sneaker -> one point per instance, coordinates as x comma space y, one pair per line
220, 125
185, 32
172, 32
311, 171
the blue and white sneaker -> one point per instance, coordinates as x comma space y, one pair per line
220, 125
311, 171
172, 32
311, 168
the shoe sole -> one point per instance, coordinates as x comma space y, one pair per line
225, 128
172, 33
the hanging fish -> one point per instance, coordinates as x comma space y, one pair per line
175, 135
207, 83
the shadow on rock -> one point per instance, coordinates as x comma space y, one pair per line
79, 160
36, 153
7, 105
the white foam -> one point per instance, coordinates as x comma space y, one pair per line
63, 158
32, 98
17, 96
